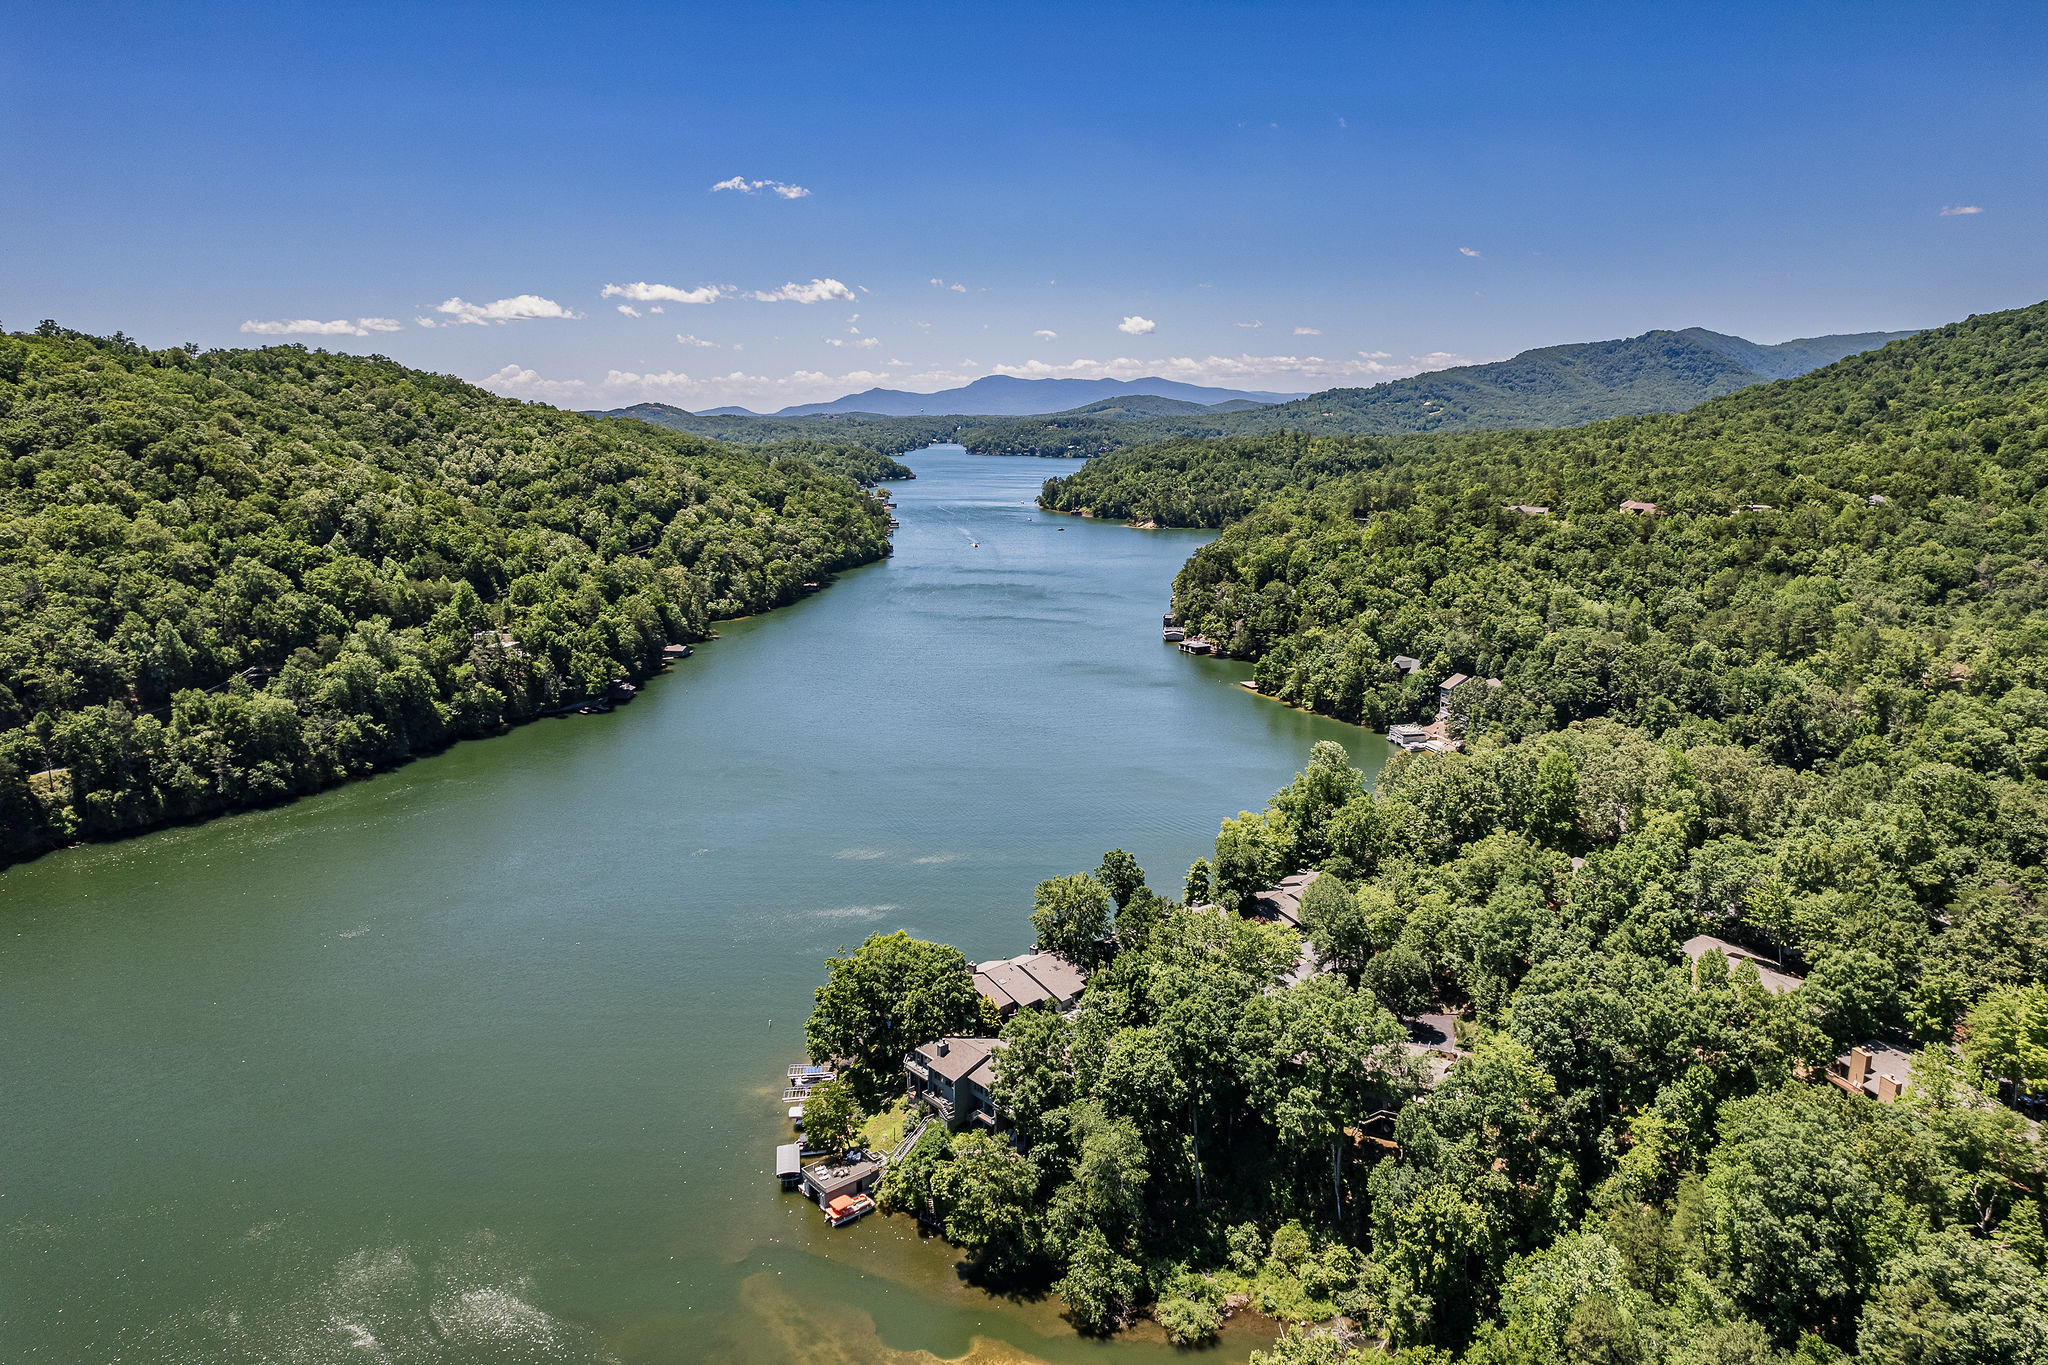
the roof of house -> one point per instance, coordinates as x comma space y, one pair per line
1005, 982
1528, 509
993, 989
1454, 680
1406, 663
1031, 979
1283, 902
1633, 506
1886, 1060
953, 1058
1774, 981
1062, 976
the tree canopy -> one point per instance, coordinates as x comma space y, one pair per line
230, 577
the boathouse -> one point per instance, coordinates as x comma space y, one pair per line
827, 1180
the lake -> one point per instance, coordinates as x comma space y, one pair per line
479, 1059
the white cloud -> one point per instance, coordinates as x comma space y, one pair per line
1260, 371
657, 308
817, 291
862, 344
643, 292
781, 189
1045, 334
312, 327
426, 322
1308, 331
1254, 326
1958, 210
955, 287
1136, 326
518, 308
515, 382
763, 392
1466, 251
629, 310
686, 339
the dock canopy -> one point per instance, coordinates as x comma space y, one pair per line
789, 1162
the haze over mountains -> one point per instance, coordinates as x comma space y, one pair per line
1551, 386
1001, 395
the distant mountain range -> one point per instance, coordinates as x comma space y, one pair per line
1000, 395
1552, 386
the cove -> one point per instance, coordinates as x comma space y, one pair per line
479, 1059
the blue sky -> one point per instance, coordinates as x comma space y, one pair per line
1259, 196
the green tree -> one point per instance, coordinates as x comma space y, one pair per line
987, 1196
1034, 1079
2008, 1036
1955, 1301
1553, 813
1399, 980
1559, 1301
1338, 926
1136, 920
1796, 1227
832, 1116
1195, 889
1121, 876
889, 995
1308, 1346
1100, 1285
1330, 1056
1071, 916
1252, 851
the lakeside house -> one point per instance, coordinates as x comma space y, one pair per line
951, 1077
1031, 981
1528, 509
1648, 509
1195, 644
1283, 902
1775, 981
1405, 665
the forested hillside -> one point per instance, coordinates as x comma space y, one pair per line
1802, 705
229, 577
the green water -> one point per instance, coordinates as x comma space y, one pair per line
479, 1060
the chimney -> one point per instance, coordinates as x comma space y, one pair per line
1887, 1089
944, 1047
1859, 1067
